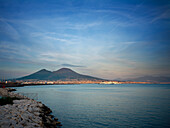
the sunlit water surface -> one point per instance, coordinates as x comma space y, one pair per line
106, 106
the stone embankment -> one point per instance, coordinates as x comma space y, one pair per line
25, 113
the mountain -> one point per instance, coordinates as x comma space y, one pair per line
151, 79
40, 75
61, 74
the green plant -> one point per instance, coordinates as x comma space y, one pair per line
7, 100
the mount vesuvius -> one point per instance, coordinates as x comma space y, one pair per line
61, 74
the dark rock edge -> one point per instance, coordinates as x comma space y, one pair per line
48, 120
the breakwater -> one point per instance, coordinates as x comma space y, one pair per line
25, 112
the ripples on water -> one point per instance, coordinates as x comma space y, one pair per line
106, 106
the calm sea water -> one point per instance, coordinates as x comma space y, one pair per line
106, 106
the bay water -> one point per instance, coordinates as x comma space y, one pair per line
106, 106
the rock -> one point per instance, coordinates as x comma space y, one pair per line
58, 123
36, 113
40, 105
5, 124
11, 89
25, 112
56, 119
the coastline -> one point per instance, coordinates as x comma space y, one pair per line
19, 84
25, 112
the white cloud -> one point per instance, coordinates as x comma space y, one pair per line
164, 15
8, 29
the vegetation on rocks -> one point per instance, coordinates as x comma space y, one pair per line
7, 100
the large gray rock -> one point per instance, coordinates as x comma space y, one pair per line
24, 113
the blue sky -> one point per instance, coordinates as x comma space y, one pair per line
104, 38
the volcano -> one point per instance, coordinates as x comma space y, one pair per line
64, 74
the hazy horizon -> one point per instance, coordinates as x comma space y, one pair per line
107, 39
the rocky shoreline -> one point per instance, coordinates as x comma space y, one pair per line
25, 112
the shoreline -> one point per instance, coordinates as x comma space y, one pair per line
25, 112
15, 84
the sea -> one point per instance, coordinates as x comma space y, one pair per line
105, 106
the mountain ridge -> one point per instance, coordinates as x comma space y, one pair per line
150, 79
61, 74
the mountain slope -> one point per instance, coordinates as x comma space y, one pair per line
61, 74
40, 75
66, 73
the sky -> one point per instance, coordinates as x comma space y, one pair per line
111, 39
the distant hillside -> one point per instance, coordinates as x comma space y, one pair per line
61, 74
151, 79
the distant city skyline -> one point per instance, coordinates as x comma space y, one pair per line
108, 39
